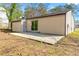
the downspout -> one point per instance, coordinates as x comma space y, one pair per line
65, 25
26, 24
11, 26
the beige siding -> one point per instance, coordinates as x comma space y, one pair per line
9, 26
28, 25
16, 26
69, 23
51, 25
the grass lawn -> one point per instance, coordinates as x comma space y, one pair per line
13, 46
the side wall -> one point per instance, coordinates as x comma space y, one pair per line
16, 26
69, 22
52, 25
9, 26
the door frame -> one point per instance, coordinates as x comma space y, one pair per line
35, 24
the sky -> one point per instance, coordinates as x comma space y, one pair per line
49, 6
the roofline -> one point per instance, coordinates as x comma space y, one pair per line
39, 17
46, 16
42, 16
16, 21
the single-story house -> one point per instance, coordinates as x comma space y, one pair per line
61, 23
76, 25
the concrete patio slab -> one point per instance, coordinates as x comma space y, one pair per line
52, 39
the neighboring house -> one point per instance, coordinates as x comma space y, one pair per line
61, 23
3, 19
76, 25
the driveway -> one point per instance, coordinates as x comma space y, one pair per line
52, 39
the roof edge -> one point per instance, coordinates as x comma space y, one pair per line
46, 16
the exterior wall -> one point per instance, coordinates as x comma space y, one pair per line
51, 25
9, 26
58, 24
28, 25
69, 22
16, 26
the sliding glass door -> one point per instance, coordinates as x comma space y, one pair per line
34, 26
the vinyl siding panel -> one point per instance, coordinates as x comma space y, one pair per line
50, 25
16, 26
69, 22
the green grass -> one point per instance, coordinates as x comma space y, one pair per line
75, 34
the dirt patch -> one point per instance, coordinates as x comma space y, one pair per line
14, 45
